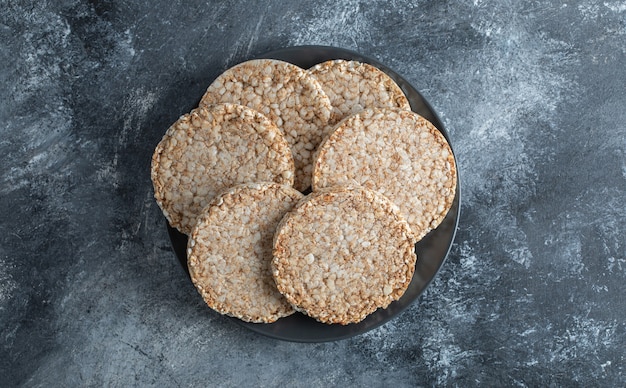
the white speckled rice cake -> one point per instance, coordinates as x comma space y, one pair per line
353, 86
341, 253
286, 94
230, 250
211, 149
397, 153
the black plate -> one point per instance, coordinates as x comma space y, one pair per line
431, 250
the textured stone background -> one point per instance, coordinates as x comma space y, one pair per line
532, 93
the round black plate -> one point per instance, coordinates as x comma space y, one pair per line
431, 250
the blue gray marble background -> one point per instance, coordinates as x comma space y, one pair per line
533, 94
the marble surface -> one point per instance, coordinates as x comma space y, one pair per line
532, 93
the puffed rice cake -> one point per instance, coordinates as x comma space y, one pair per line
230, 250
353, 86
286, 94
210, 149
341, 253
397, 153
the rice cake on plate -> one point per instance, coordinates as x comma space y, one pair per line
342, 253
213, 148
397, 153
353, 86
286, 94
230, 250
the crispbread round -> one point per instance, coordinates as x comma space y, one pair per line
286, 94
213, 148
230, 250
341, 253
397, 153
353, 86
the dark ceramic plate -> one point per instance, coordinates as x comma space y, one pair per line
431, 250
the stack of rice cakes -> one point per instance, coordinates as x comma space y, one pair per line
230, 175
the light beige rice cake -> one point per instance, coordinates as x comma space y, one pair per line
230, 250
341, 253
286, 94
353, 86
397, 153
213, 148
